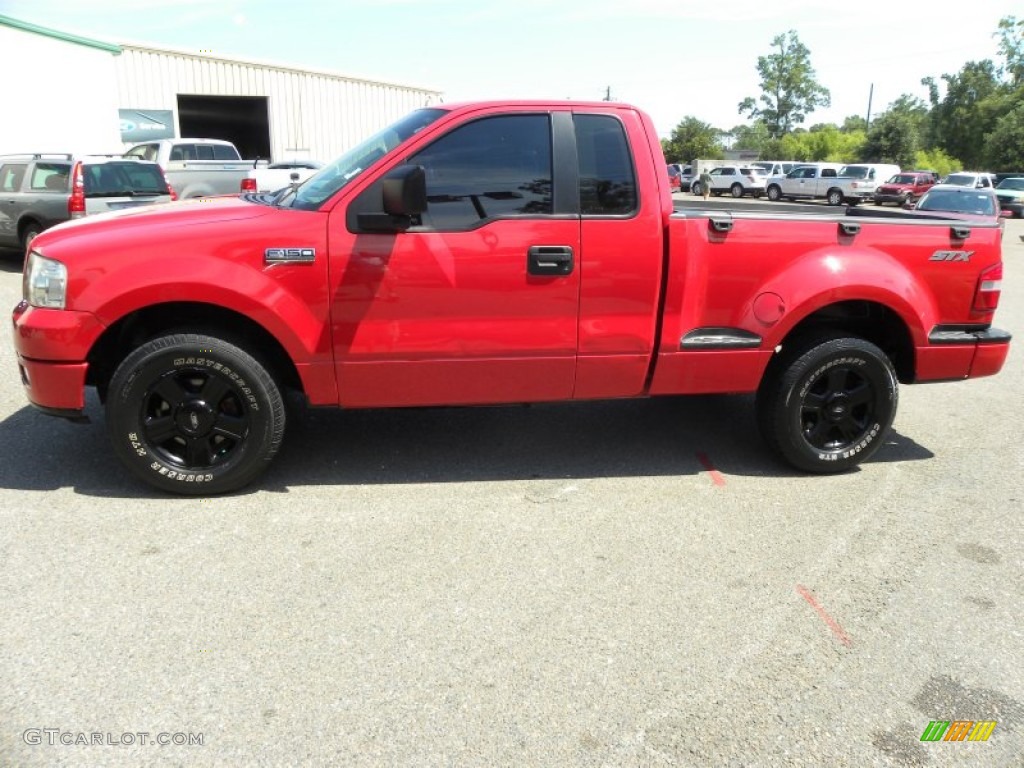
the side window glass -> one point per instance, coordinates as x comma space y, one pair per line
49, 176
497, 166
11, 177
607, 180
829, 173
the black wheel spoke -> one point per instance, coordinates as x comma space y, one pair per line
170, 390
214, 390
861, 394
231, 427
160, 429
197, 452
837, 380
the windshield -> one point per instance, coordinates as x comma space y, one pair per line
1011, 184
960, 180
332, 177
902, 179
958, 201
854, 171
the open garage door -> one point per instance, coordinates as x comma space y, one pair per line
242, 120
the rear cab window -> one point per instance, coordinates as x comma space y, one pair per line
607, 177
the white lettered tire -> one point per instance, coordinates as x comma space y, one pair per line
193, 414
827, 403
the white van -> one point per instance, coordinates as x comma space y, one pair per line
806, 180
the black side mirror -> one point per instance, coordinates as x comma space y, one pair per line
405, 191
403, 197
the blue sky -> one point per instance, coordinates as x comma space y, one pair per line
674, 58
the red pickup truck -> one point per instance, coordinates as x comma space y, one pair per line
493, 253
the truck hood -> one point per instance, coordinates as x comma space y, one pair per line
155, 220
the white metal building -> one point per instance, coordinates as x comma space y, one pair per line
268, 110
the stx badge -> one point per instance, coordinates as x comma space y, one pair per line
951, 256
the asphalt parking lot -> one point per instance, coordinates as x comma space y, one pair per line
623, 583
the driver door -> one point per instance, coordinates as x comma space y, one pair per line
478, 301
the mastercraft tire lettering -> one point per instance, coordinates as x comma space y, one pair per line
827, 403
194, 414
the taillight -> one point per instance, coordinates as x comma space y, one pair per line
248, 185
76, 203
990, 285
170, 189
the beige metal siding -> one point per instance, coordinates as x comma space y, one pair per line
311, 114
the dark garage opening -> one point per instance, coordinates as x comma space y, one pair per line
242, 120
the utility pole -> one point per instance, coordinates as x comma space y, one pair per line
871, 95
607, 94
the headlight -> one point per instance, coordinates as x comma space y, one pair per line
45, 283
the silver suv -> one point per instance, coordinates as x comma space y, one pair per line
40, 190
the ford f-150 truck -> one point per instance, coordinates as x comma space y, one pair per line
494, 253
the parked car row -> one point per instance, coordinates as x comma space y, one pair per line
850, 184
40, 190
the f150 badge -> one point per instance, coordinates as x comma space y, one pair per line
951, 256
289, 255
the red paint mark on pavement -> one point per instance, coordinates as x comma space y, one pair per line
832, 623
716, 477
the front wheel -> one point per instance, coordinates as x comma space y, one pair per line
835, 197
774, 193
737, 190
697, 188
194, 414
827, 403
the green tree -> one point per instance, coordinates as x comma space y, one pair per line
1004, 146
936, 160
1011, 48
975, 99
893, 138
692, 139
789, 89
753, 136
855, 123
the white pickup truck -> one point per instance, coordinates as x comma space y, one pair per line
279, 175
197, 167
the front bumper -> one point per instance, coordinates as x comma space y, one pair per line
52, 346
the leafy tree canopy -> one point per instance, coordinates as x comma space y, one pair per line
789, 89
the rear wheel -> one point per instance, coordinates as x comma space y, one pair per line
835, 197
194, 414
697, 188
827, 402
737, 190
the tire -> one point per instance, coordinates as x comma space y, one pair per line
827, 403
696, 188
835, 197
194, 415
774, 193
29, 234
737, 190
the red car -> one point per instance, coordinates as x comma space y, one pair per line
904, 188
